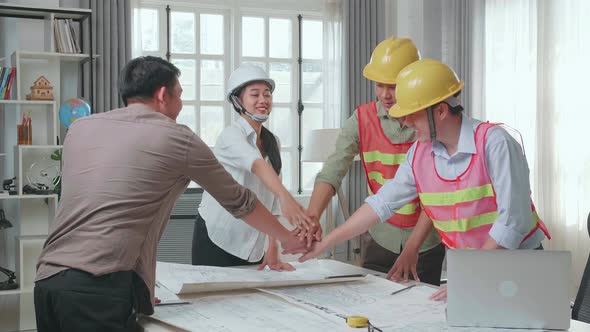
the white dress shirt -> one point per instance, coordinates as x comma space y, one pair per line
508, 170
236, 150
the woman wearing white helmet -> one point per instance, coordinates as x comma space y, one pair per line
251, 154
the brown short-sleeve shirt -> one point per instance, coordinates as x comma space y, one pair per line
122, 172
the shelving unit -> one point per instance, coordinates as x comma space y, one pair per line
31, 214
48, 14
67, 57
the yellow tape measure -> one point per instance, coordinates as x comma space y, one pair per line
357, 321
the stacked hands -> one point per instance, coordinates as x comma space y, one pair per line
307, 229
306, 239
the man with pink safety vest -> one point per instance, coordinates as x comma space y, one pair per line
471, 177
382, 142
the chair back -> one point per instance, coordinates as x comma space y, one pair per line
581, 309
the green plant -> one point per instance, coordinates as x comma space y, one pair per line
56, 155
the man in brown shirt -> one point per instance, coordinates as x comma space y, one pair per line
122, 173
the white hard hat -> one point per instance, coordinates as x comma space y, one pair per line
245, 74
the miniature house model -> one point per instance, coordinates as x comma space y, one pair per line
41, 90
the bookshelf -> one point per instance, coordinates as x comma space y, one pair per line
32, 214
48, 15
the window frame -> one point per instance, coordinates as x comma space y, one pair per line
233, 14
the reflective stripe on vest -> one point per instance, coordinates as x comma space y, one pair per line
381, 159
384, 158
462, 210
407, 209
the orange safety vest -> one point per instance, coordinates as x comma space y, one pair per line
381, 159
462, 210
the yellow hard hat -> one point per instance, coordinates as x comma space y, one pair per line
389, 58
422, 84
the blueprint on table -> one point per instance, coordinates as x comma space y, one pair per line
370, 298
183, 279
407, 311
311, 308
251, 311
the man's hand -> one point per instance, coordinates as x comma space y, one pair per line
404, 265
440, 294
317, 248
314, 233
293, 244
316, 230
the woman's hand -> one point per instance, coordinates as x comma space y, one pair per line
272, 260
294, 212
313, 233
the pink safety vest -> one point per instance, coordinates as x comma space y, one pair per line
462, 210
381, 159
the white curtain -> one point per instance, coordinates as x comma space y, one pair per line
333, 63
112, 42
462, 40
535, 79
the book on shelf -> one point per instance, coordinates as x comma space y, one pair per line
66, 40
7, 75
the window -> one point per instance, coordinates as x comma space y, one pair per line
207, 43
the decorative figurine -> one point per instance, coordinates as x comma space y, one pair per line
41, 90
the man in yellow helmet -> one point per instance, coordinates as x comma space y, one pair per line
382, 142
471, 177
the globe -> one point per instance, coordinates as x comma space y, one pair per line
73, 109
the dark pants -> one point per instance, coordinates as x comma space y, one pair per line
73, 300
377, 258
205, 252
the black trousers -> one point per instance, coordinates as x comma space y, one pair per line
377, 258
73, 300
205, 252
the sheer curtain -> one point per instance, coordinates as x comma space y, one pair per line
535, 76
564, 157
333, 63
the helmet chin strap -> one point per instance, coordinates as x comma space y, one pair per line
256, 117
430, 113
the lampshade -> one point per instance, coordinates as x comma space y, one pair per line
320, 144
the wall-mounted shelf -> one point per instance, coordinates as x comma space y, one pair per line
35, 147
27, 102
66, 57
52, 196
41, 13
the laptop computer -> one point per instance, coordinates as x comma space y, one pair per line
509, 288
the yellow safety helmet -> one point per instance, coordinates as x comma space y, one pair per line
422, 84
389, 58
